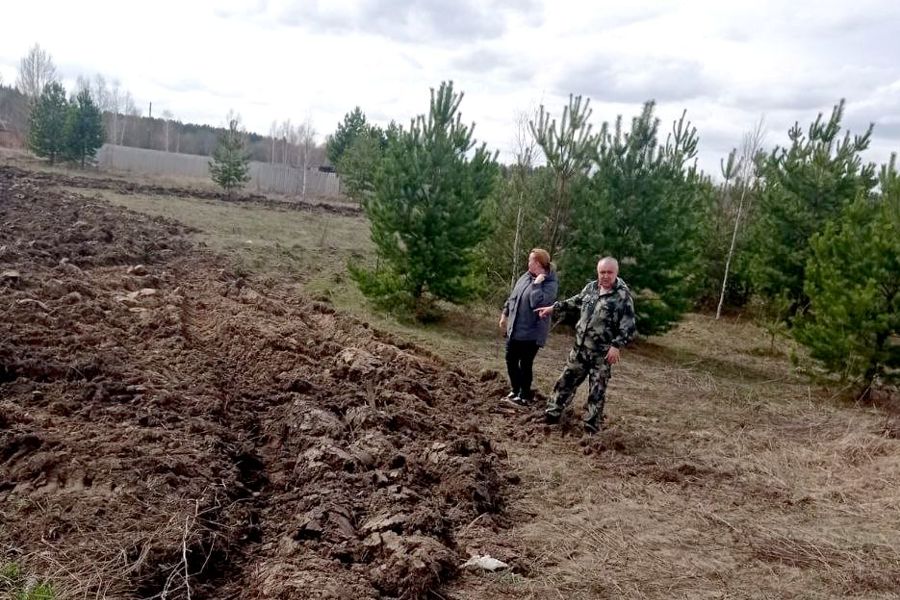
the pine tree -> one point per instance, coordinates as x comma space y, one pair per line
84, 132
360, 163
47, 124
853, 285
426, 211
804, 186
569, 150
353, 126
230, 166
648, 206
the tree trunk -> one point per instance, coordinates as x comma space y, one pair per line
557, 216
305, 168
515, 256
737, 222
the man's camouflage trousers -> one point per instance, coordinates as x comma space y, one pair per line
579, 365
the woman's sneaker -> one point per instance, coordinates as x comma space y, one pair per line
520, 401
510, 396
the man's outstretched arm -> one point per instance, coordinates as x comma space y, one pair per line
563, 306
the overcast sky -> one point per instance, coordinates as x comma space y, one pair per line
727, 62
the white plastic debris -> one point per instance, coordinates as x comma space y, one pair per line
485, 563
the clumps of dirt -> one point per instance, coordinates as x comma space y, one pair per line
167, 427
80, 234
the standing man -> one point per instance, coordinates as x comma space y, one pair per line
606, 324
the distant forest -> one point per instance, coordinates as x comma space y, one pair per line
128, 127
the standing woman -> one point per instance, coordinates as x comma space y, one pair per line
526, 332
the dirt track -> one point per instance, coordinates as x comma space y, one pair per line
166, 426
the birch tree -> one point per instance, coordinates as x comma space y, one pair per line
167, 121
307, 144
745, 171
273, 133
36, 70
525, 147
131, 111
285, 132
115, 101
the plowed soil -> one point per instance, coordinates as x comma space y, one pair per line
169, 429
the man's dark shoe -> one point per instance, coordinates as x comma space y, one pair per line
550, 418
591, 429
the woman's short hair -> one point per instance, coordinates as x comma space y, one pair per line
542, 256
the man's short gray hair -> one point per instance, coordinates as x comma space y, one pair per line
611, 260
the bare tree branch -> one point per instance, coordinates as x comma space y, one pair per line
36, 70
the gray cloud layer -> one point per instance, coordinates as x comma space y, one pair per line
609, 79
502, 66
423, 21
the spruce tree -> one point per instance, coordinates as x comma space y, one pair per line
47, 124
853, 285
426, 210
647, 205
230, 165
804, 186
84, 132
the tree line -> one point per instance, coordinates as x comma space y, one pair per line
124, 121
805, 236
